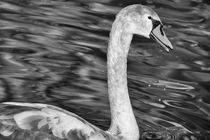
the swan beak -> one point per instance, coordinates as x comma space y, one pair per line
158, 35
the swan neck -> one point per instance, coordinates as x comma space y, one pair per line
123, 122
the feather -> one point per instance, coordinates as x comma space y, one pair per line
29, 119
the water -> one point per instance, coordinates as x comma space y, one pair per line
55, 52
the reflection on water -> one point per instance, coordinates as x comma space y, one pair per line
55, 52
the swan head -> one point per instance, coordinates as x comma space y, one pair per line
142, 20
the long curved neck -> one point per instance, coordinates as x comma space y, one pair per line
123, 122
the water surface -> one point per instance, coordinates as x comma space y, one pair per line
54, 51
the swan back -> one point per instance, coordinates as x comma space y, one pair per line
47, 122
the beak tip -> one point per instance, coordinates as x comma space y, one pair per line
169, 47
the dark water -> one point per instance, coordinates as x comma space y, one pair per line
54, 51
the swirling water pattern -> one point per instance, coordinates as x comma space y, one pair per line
55, 52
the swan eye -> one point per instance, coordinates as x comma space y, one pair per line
149, 17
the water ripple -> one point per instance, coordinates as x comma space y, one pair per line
55, 52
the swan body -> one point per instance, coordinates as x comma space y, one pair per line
20, 121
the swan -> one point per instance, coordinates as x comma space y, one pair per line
36, 121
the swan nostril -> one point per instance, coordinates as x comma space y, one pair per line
161, 30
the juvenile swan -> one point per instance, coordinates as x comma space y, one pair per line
35, 121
